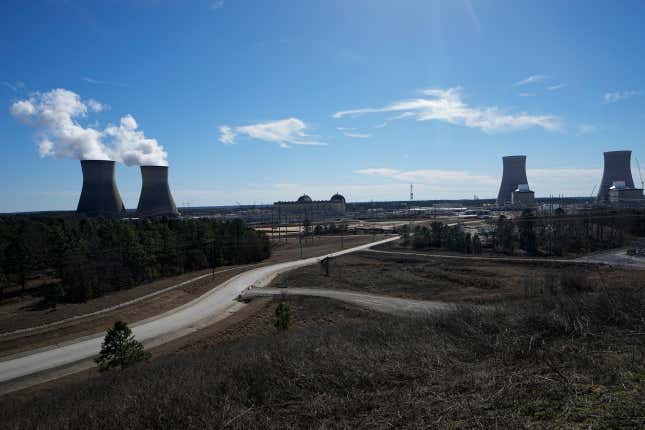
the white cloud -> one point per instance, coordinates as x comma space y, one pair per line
447, 106
227, 136
556, 87
583, 129
56, 115
131, 146
526, 94
381, 125
217, 4
285, 132
531, 80
617, 96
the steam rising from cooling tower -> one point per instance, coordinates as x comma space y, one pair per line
617, 168
513, 175
57, 117
99, 195
156, 199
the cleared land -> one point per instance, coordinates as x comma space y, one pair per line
21, 313
553, 348
454, 281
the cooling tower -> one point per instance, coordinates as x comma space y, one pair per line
617, 168
155, 199
100, 195
513, 175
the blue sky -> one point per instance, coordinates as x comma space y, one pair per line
256, 101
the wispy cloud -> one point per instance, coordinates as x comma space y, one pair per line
217, 4
99, 82
381, 125
526, 94
531, 80
14, 86
583, 129
285, 132
351, 132
428, 176
616, 96
448, 106
555, 87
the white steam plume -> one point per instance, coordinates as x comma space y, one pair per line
55, 115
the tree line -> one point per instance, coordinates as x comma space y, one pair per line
557, 235
442, 236
561, 234
91, 256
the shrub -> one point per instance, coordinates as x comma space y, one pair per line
282, 317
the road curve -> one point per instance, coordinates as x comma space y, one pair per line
385, 304
154, 331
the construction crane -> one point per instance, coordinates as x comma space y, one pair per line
640, 173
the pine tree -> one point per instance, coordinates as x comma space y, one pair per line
120, 348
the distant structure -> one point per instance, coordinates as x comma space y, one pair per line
155, 199
411, 193
617, 169
620, 193
100, 195
513, 175
306, 209
523, 196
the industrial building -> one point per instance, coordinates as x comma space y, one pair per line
155, 199
523, 196
513, 175
617, 169
306, 209
619, 193
100, 195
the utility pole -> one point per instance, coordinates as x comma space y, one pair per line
411, 193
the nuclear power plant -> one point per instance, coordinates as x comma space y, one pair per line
617, 169
514, 182
99, 195
155, 199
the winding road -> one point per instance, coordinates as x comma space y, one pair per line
59, 360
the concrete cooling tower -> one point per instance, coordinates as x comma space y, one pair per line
617, 169
100, 195
514, 174
155, 199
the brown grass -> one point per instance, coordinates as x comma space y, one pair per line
562, 359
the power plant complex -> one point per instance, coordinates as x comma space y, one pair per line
306, 209
100, 195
